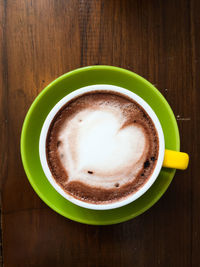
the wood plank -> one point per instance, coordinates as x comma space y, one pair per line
3, 114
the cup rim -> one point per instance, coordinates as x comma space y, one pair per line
50, 117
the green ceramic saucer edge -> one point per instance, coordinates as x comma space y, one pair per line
50, 96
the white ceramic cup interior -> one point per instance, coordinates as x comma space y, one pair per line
131, 197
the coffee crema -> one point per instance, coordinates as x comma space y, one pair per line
102, 147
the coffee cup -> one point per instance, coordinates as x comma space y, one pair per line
165, 158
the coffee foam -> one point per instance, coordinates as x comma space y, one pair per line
101, 147
98, 150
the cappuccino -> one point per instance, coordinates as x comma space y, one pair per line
102, 147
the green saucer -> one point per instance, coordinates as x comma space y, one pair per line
45, 102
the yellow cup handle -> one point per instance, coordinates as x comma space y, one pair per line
175, 159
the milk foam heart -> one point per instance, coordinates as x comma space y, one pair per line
97, 150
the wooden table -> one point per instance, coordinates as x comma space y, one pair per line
42, 39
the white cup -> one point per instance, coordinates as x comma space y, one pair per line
42, 146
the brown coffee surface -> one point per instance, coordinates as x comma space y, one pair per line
102, 147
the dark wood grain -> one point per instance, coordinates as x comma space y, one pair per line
40, 40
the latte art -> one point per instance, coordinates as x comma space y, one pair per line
102, 147
97, 150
